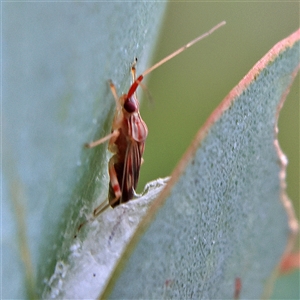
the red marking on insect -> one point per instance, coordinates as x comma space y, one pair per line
237, 288
128, 135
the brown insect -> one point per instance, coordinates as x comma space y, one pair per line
128, 135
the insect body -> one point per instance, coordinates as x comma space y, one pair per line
127, 142
127, 138
128, 146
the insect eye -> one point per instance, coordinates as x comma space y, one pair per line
130, 105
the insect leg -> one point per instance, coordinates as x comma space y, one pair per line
112, 135
101, 208
133, 74
114, 180
97, 211
115, 94
115, 185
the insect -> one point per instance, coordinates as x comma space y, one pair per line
128, 135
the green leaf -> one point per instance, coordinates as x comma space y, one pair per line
57, 59
223, 213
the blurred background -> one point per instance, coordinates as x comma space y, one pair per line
189, 87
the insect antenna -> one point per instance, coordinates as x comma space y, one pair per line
144, 87
170, 56
199, 38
